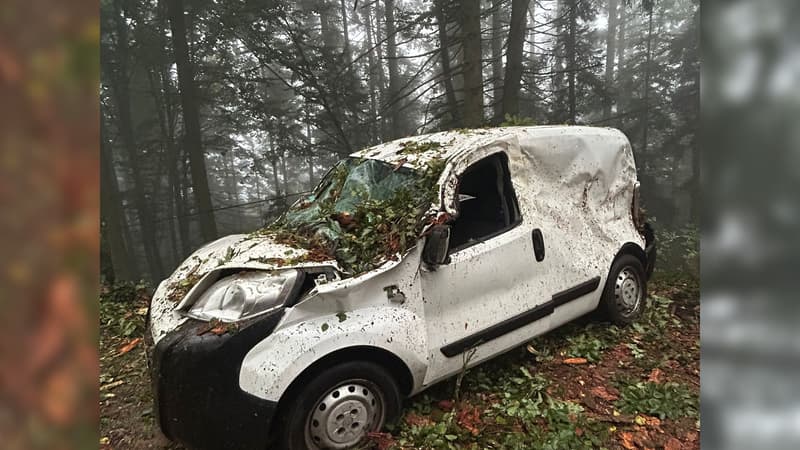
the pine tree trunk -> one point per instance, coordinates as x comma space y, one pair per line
571, 60
444, 58
381, 75
395, 129
497, 60
473, 79
345, 33
191, 122
516, 40
168, 147
121, 94
366, 13
168, 131
623, 86
647, 70
610, 53
121, 261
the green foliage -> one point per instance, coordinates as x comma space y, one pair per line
665, 400
123, 308
517, 121
585, 345
375, 230
678, 251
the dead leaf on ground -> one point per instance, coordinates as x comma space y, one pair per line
605, 394
655, 376
129, 346
673, 444
383, 441
108, 386
575, 361
469, 417
445, 405
416, 420
627, 440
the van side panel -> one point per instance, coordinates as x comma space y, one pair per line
271, 366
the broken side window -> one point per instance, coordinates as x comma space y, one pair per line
487, 203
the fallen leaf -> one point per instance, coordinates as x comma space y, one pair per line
575, 361
108, 386
445, 405
415, 420
673, 444
655, 376
627, 440
604, 393
129, 346
383, 441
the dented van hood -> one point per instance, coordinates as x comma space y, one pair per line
204, 266
246, 251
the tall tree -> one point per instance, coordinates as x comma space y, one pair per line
444, 58
120, 88
516, 42
394, 130
623, 74
571, 54
648, 6
497, 59
191, 121
473, 75
611, 40
112, 214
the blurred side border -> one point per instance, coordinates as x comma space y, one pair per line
750, 397
49, 225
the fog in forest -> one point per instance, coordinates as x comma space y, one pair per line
217, 115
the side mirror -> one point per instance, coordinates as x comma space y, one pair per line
436, 245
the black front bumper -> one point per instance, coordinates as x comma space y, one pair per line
195, 379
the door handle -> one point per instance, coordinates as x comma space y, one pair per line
538, 244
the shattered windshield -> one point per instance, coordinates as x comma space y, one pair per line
364, 212
350, 183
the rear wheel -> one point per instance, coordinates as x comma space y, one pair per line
338, 407
625, 292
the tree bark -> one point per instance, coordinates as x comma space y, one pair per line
473, 79
121, 94
444, 57
497, 60
191, 122
610, 53
622, 74
571, 60
345, 34
516, 40
121, 261
366, 13
647, 70
394, 130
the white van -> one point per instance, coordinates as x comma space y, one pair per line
408, 257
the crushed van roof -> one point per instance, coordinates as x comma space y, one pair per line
416, 151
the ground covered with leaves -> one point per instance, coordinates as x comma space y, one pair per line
585, 385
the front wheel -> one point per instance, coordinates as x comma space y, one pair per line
339, 406
625, 292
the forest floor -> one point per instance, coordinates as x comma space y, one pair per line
585, 385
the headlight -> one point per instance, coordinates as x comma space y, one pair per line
243, 295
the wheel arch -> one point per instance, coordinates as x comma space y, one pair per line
392, 363
633, 249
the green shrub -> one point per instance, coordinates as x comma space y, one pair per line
665, 400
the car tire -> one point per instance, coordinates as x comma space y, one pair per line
625, 292
336, 407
